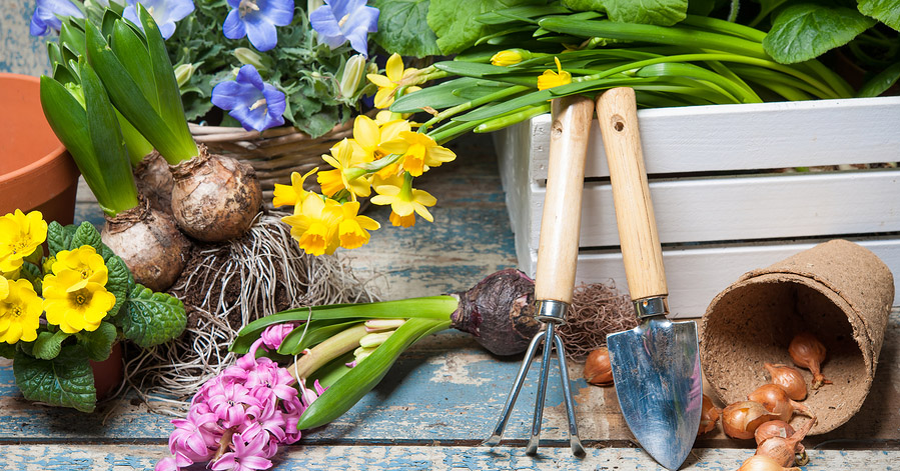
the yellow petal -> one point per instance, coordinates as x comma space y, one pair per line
437, 155
392, 129
423, 197
382, 200
394, 67
402, 208
395, 146
4, 288
384, 97
402, 221
381, 81
366, 132
422, 211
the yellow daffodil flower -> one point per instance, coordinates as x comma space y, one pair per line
550, 79
405, 200
395, 77
74, 303
344, 156
85, 260
20, 235
20, 313
353, 231
291, 194
419, 152
510, 57
314, 224
370, 134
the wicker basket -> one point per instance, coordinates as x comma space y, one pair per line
273, 153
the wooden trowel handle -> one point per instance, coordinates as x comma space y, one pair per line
561, 220
641, 251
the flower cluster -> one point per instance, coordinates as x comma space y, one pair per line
74, 295
238, 419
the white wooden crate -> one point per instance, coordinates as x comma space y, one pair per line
720, 209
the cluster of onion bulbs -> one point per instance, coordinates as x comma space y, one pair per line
765, 414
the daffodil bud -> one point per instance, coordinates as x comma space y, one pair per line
510, 57
183, 73
247, 56
352, 75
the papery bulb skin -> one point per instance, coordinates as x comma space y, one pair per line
788, 378
773, 428
763, 463
215, 198
597, 368
740, 420
776, 400
808, 352
709, 415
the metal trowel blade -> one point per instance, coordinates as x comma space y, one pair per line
656, 369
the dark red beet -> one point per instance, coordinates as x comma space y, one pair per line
499, 312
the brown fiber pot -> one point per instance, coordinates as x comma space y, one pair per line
839, 291
36, 172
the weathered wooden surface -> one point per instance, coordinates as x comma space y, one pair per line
444, 395
20, 53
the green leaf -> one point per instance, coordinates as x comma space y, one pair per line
351, 387
525, 13
170, 108
118, 281
653, 12
132, 52
66, 381
317, 332
584, 5
454, 22
48, 344
72, 37
59, 237
86, 234
32, 273
97, 344
150, 319
887, 11
881, 82
7, 350
806, 31
403, 28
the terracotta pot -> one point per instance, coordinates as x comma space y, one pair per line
36, 172
108, 373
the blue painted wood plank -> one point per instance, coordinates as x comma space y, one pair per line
437, 458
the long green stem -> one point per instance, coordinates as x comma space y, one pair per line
337, 345
449, 112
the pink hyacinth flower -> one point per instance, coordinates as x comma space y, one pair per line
275, 334
247, 456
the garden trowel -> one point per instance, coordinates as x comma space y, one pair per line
656, 366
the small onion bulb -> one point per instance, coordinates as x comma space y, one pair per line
741, 419
763, 463
773, 428
597, 368
808, 352
709, 415
776, 400
784, 450
788, 378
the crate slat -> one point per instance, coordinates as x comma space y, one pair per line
747, 208
696, 275
751, 136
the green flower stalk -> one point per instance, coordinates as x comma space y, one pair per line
370, 337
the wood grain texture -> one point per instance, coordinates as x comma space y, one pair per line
21, 53
436, 458
638, 236
561, 219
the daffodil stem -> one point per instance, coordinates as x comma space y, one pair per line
337, 345
473, 103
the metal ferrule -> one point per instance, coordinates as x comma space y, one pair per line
651, 307
550, 310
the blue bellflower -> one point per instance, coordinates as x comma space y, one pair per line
46, 15
256, 104
164, 12
257, 20
339, 21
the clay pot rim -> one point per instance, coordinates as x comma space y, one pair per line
44, 161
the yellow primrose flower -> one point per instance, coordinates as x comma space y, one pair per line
20, 313
85, 260
404, 199
344, 156
395, 76
509, 57
4, 287
419, 152
314, 224
353, 231
550, 79
75, 304
294, 193
20, 235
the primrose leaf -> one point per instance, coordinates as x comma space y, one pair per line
887, 11
48, 344
59, 237
881, 82
66, 380
86, 234
118, 280
403, 28
454, 22
651, 12
149, 318
98, 343
805, 31
32, 273
7, 350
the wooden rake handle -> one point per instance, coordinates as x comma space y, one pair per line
641, 250
561, 219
